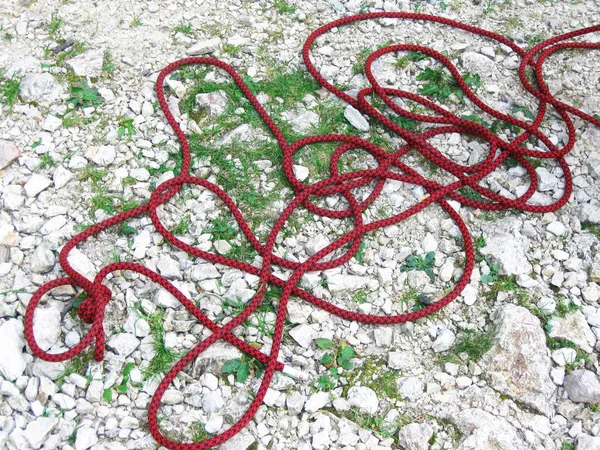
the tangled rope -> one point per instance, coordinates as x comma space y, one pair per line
92, 308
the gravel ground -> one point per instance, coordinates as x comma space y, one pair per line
511, 364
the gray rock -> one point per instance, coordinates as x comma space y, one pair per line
42, 259
317, 401
123, 344
47, 327
338, 282
444, 341
485, 431
38, 430
169, 268
12, 363
214, 103
594, 274
300, 172
303, 121
315, 244
303, 334
517, 365
22, 66
212, 360
547, 181
86, 438
477, 63
8, 153
87, 64
574, 328
241, 441
213, 402
204, 47
51, 123
410, 388
39, 87
508, 246
589, 212
364, 398
583, 386
103, 155
415, 436
356, 119
587, 442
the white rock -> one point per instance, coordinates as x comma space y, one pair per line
38, 430
46, 326
214, 423
63, 401
385, 276
61, 177
444, 341
213, 402
587, 442
356, 119
86, 438
429, 243
564, 356
303, 121
204, 47
364, 398
482, 430
51, 123
169, 268
42, 259
573, 327
241, 441
212, 102
337, 283
583, 386
508, 246
556, 228
546, 180
103, 155
415, 436
39, 87
591, 293
410, 388
317, 401
12, 363
88, 63
172, 397
315, 244
547, 305
123, 344
8, 153
8, 236
303, 334
517, 365
36, 184
23, 65
300, 172
106, 94
82, 264
222, 246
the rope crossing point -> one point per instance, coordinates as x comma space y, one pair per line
91, 309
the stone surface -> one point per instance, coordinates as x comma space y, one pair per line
36, 184
88, 63
415, 436
12, 363
485, 431
364, 398
8, 153
356, 119
583, 386
517, 365
40, 87
587, 442
46, 326
508, 246
213, 103
204, 47
574, 328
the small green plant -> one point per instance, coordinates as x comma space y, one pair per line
9, 91
566, 445
184, 28
127, 230
563, 307
340, 356
243, 367
108, 65
84, 96
591, 227
46, 161
360, 60
123, 388
54, 25
420, 263
107, 395
441, 85
284, 7
360, 296
222, 230
474, 344
522, 109
125, 128
136, 21
492, 276
199, 433
410, 56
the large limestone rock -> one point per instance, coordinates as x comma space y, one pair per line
508, 246
518, 364
485, 431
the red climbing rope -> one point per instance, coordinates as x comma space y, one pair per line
91, 309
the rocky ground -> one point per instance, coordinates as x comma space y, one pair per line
511, 364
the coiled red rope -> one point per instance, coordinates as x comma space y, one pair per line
91, 309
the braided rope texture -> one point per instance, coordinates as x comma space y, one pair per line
92, 309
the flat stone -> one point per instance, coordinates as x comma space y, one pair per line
508, 246
574, 328
564, 356
214, 103
317, 401
87, 64
39, 87
415, 436
517, 365
38, 430
12, 363
36, 184
241, 441
8, 153
103, 155
303, 121
356, 119
300, 172
444, 341
587, 442
411, 388
123, 344
482, 430
583, 386
204, 47
86, 438
42, 259
364, 398
22, 66
46, 326
303, 334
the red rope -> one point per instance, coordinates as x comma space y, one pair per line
91, 309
